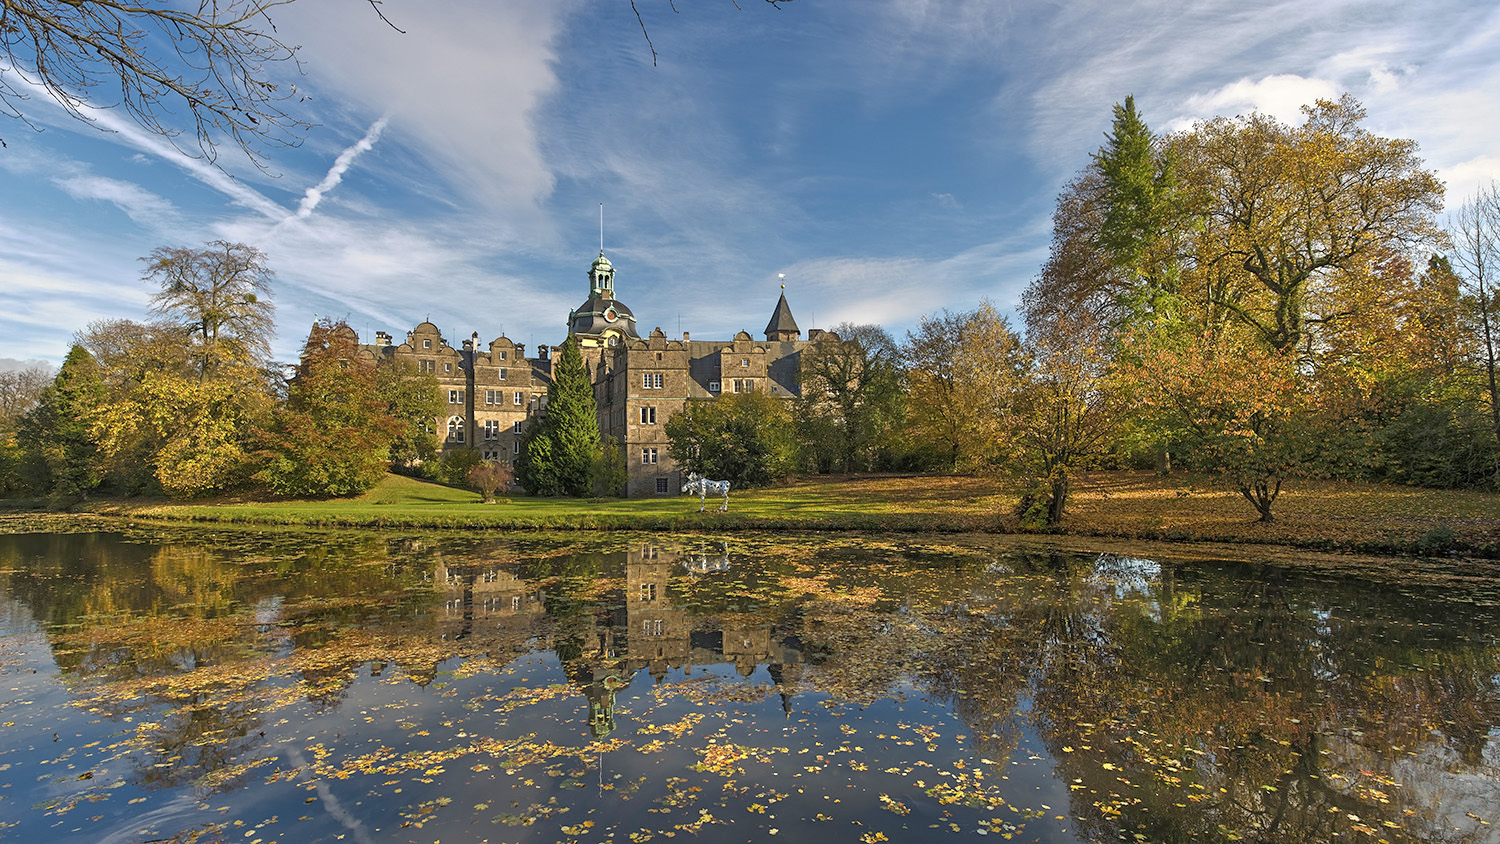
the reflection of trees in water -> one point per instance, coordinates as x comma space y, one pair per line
1256, 700
1257, 709
199, 736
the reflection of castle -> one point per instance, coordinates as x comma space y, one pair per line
483, 598
653, 633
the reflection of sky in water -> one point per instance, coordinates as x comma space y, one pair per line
473, 689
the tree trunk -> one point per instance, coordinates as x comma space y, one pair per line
1262, 494
1059, 498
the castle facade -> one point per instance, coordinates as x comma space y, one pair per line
639, 382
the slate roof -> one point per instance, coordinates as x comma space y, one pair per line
781, 319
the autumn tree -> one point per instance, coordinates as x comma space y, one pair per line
489, 476
558, 452
744, 438
413, 400
333, 436
186, 391
963, 371
1067, 410
178, 434
1239, 406
19, 391
849, 403
1284, 209
220, 294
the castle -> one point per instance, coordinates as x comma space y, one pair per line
639, 382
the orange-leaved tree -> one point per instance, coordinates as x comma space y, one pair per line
1241, 407
333, 436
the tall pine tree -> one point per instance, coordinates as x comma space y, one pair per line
558, 454
58, 446
1139, 202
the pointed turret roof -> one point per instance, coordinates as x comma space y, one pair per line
782, 322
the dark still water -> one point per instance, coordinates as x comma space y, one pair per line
299, 687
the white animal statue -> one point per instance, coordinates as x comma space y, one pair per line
703, 486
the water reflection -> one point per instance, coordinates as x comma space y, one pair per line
962, 684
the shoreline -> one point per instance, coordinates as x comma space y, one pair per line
1108, 507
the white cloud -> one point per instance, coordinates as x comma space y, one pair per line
1465, 178
13, 365
144, 207
460, 85
1280, 95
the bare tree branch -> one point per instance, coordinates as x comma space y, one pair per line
775, 4
215, 70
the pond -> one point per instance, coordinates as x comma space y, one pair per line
196, 685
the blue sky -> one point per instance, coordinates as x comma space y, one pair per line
891, 157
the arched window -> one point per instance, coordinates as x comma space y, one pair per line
456, 429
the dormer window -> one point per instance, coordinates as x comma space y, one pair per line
744, 361
426, 342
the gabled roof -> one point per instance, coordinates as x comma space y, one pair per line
782, 320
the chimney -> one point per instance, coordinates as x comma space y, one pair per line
684, 336
382, 338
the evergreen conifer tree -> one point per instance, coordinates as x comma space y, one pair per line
559, 454
55, 437
1140, 199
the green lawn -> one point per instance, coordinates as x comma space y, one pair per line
1313, 514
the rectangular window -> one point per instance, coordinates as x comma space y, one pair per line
744, 361
515, 447
648, 456
489, 396
713, 386
447, 367
502, 357
502, 374
426, 366
651, 380
453, 397
653, 627
661, 486
520, 398
516, 428
648, 416
648, 591
491, 429
427, 343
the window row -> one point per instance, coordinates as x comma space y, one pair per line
492, 428
517, 398
652, 380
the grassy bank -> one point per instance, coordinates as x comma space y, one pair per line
1129, 505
